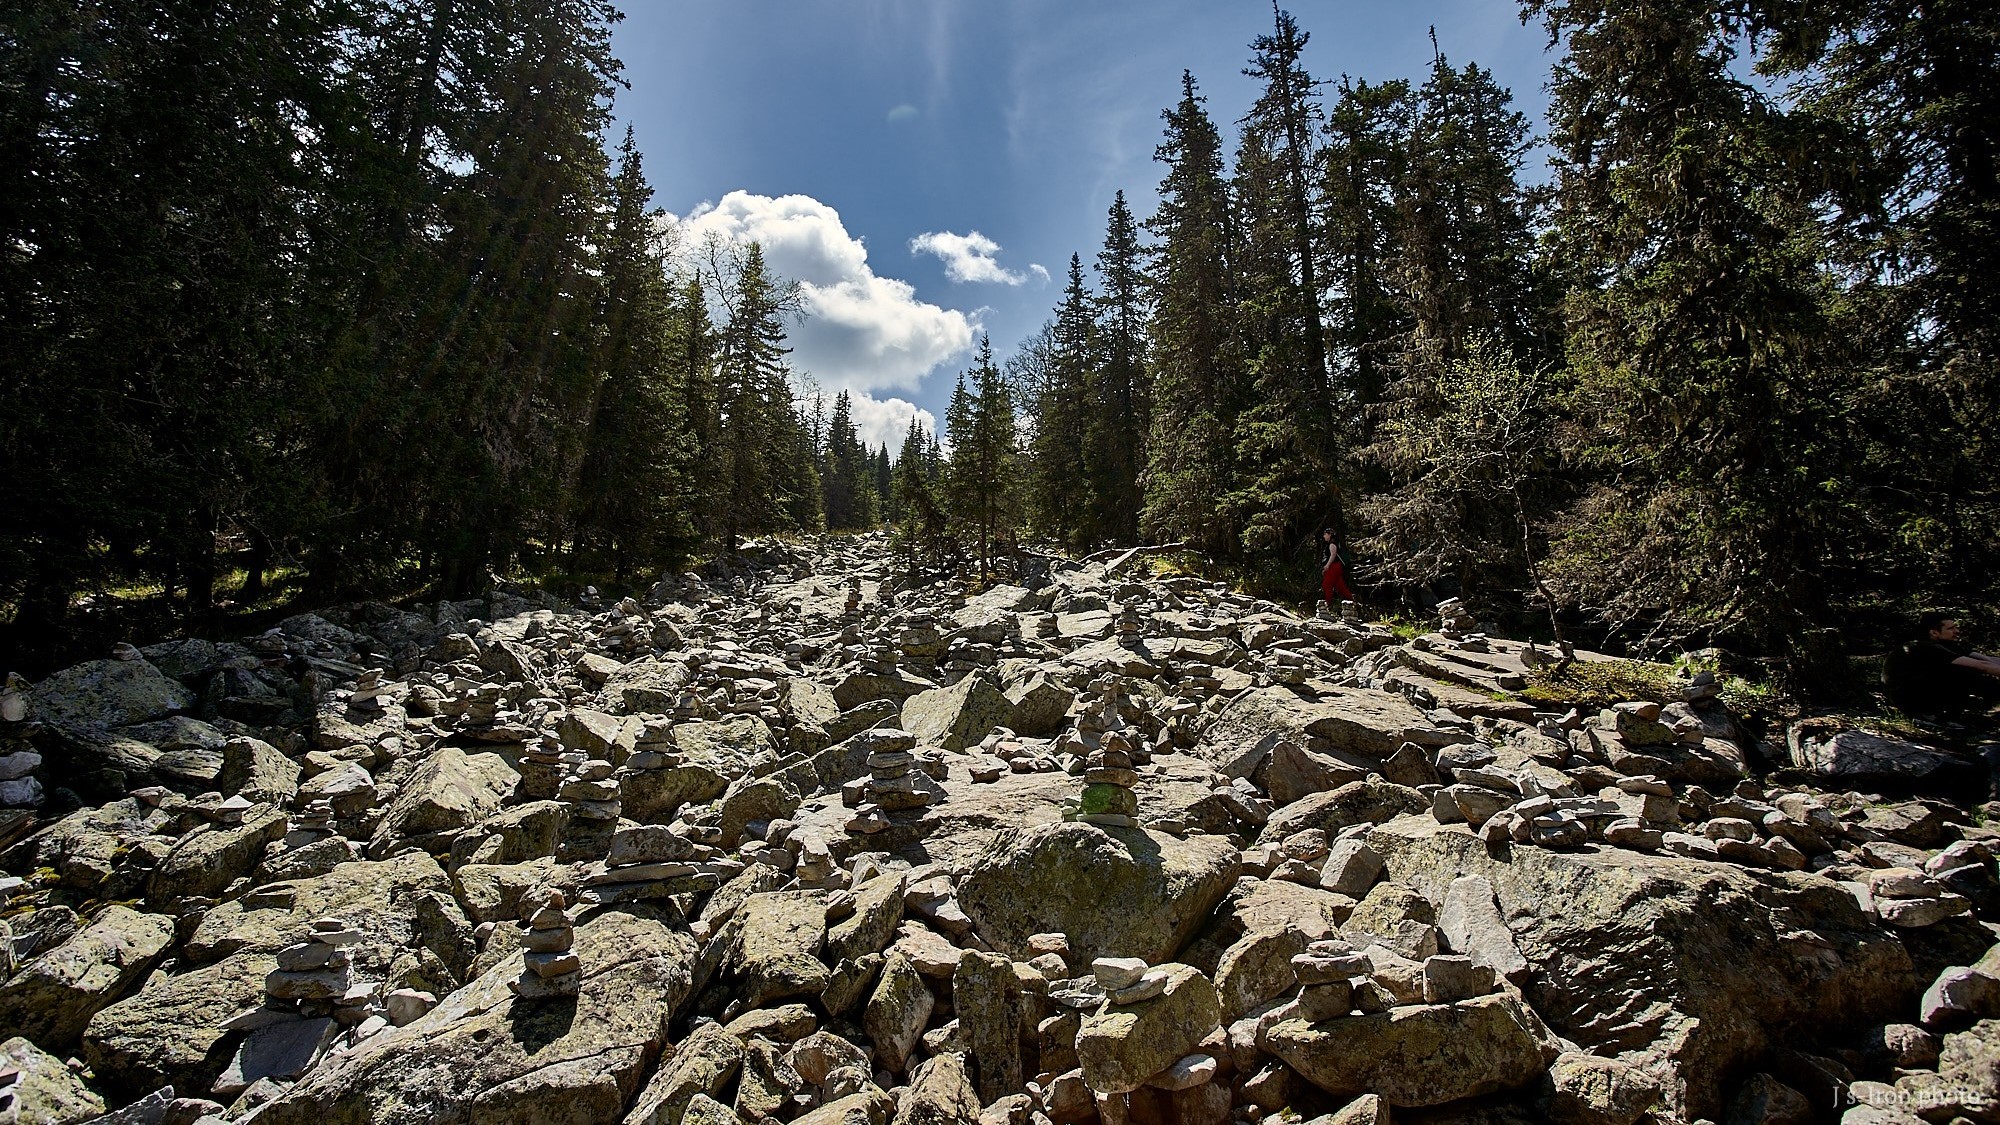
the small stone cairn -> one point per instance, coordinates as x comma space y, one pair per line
369, 691
592, 791
314, 976
1131, 625
1455, 620
647, 861
1108, 783
551, 969
542, 770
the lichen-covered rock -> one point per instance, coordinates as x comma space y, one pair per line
878, 908
646, 686
940, 1093
712, 754
450, 791
703, 1065
1121, 892
1421, 1054
958, 716
897, 1012
51, 998
1120, 1047
169, 1033
109, 693
48, 1092
774, 946
255, 770
1588, 1090
1688, 969
207, 860
484, 1055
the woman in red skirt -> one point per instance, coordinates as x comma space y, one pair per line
1333, 574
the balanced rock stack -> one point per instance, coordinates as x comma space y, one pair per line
1326, 973
313, 976
1127, 980
369, 691
314, 822
894, 784
655, 748
852, 609
551, 969
18, 758
647, 861
1454, 619
1108, 783
1131, 625
592, 791
689, 707
542, 770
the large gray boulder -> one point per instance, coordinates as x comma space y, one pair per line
1863, 759
450, 791
109, 693
1121, 1046
1121, 892
1357, 721
1420, 1054
207, 860
52, 997
712, 755
169, 1031
1690, 970
958, 716
940, 1093
483, 1055
48, 1092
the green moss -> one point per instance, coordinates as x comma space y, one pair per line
1600, 683
1100, 799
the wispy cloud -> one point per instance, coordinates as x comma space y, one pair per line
968, 257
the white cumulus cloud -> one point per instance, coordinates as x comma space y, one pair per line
966, 257
887, 421
861, 331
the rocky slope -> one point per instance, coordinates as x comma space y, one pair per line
785, 843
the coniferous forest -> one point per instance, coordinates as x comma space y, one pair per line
357, 297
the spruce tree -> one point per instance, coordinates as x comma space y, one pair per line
1192, 341
1122, 395
629, 493
1693, 325
1064, 408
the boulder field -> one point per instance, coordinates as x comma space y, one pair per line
788, 841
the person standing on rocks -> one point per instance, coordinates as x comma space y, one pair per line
1333, 572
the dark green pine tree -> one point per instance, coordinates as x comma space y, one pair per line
1365, 166
1117, 427
1905, 100
1463, 260
849, 477
764, 450
160, 165
1693, 328
691, 361
921, 528
1194, 351
501, 345
981, 473
882, 477
629, 495
1063, 407
1288, 447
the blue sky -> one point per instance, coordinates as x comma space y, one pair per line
840, 132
